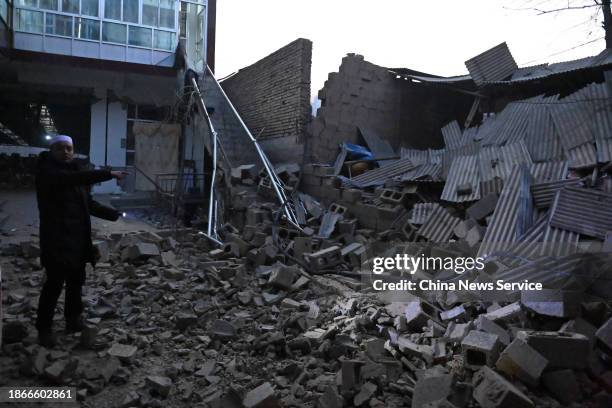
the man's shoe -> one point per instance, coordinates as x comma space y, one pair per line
46, 338
74, 325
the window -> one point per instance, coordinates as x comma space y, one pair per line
166, 13
28, 20
89, 8
70, 6
149, 12
88, 29
112, 9
4, 10
130, 11
26, 3
113, 32
49, 4
58, 24
164, 40
140, 36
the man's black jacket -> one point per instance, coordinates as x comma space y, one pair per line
65, 205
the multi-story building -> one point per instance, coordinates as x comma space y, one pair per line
96, 69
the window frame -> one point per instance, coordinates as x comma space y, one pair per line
61, 15
101, 9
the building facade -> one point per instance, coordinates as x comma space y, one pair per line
94, 69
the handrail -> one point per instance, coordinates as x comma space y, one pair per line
212, 202
276, 182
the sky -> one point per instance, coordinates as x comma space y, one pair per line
435, 37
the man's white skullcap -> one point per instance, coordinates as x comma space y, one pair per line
60, 138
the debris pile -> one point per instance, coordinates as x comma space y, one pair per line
16, 171
281, 317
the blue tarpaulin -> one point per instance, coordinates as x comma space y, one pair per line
357, 152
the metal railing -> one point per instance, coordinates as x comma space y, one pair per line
171, 183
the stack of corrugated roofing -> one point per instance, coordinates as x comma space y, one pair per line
378, 176
544, 193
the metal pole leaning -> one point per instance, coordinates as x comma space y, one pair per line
276, 183
211, 202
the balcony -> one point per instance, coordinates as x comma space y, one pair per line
135, 31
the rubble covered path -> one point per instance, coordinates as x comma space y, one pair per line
174, 322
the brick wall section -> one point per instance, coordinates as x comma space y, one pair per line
360, 94
364, 95
274, 93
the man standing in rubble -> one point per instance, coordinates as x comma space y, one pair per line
65, 205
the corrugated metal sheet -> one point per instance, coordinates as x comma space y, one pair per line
490, 163
435, 156
417, 157
542, 240
515, 153
495, 64
452, 135
377, 177
449, 156
559, 242
582, 156
515, 122
601, 104
584, 211
490, 130
498, 162
422, 211
425, 172
544, 193
523, 74
547, 70
604, 150
436, 79
439, 225
541, 138
549, 171
464, 170
495, 185
510, 214
552, 272
572, 119
379, 147
527, 248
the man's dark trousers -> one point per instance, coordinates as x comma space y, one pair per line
57, 276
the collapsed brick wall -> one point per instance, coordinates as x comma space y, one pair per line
365, 95
273, 95
360, 94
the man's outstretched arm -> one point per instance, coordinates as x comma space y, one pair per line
53, 176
